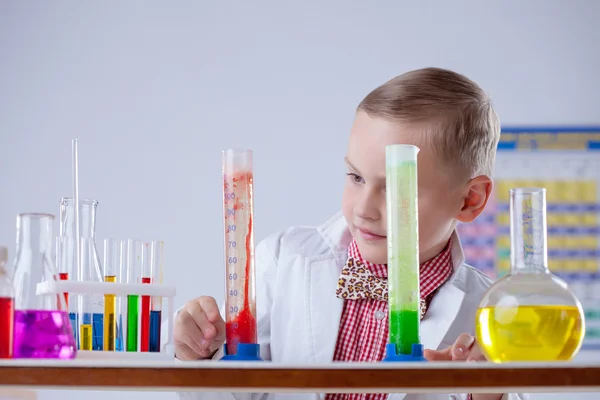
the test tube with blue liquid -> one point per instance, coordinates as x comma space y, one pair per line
156, 261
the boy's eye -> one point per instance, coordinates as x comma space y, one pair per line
355, 178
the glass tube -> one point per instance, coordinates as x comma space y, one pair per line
157, 257
112, 253
135, 249
121, 334
238, 213
145, 300
403, 247
528, 240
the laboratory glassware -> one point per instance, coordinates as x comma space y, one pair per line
122, 300
90, 308
238, 214
530, 314
63, 244
145, 300
41, 325
135, 249
7, 307
403, 254
111, 264
65, 249
157, 261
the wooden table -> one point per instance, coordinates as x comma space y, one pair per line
267, 377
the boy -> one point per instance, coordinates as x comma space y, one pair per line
307, 311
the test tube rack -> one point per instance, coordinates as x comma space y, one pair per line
119, 289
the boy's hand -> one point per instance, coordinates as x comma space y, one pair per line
465, 348
199, 330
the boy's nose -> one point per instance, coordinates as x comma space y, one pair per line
366, 208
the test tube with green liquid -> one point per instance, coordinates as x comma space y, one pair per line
403, 253
134, 274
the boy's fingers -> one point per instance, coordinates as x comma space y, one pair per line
185, 353
221, 331
476, 354
199, 316
210, 307
438, 355
190, 330
194, 346
462, 347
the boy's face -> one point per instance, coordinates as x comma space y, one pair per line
441, 195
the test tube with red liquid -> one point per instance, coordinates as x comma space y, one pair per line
145, 311
62, 262
238, 214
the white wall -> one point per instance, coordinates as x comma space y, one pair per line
154, 91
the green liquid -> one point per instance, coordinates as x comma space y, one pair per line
132, 322
404, 330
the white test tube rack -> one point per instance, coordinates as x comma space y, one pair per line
119, 289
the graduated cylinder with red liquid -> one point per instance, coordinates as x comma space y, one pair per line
238, 215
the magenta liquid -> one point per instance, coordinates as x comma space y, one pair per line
43, 334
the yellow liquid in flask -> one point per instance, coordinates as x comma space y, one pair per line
529, 333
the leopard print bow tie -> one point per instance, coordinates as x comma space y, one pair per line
357, 282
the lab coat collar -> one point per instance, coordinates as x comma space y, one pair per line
326, 309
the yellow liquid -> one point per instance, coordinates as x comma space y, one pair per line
85, 335
110, 310
529, 333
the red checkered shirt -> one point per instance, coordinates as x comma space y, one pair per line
363, 333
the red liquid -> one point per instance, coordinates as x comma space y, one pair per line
63, 276
145, 339
243, 328
7, 315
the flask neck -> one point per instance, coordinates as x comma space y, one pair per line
34, 234
528, 239
87, 217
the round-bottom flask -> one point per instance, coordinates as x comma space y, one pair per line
530, 314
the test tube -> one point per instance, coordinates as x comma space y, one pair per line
237, 168
121, 334
145, 309
134, 270
62, 262
111, 265
157, 257
403, 247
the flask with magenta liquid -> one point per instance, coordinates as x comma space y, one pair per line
41, 323
403, 254
238, 212
7, 307
530, 314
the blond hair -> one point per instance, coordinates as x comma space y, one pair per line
460, 122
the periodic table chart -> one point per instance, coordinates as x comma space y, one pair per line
565, 161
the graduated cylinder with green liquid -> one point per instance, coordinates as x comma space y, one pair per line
403, 254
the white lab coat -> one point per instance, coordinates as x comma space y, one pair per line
298, 312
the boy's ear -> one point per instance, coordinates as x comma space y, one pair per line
475, 198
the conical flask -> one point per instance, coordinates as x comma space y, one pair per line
530, 314
41, 323
90, 308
